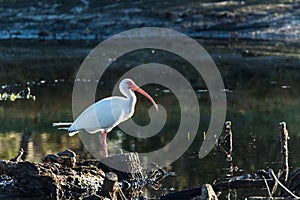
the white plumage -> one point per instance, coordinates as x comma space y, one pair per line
103, 115
107, 113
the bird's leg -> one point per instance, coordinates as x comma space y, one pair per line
104, 144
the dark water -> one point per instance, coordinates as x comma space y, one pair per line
257, 101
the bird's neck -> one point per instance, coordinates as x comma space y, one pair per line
131, 101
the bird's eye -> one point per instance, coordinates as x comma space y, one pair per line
129, 83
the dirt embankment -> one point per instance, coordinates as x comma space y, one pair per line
90, 19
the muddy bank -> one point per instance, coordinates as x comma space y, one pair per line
89, 19
59, 176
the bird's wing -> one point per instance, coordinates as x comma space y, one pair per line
103, 115
73, 133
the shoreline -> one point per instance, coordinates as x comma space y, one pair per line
90, 20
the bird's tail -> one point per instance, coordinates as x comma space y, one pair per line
60, 124
66, 126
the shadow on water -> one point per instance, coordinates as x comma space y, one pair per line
262, 90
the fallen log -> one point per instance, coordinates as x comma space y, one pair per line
259, 180
284, 136
220, 187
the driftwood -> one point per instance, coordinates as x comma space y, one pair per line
261, 179
59, 176
220, 187
228, 139
284, 151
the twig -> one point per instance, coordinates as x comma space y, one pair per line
272, 174
222, 148
228, 137
274, 188
267, 186
18, 158
121, 194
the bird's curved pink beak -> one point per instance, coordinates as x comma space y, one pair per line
134, 87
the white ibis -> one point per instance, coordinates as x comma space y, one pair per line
109, 112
